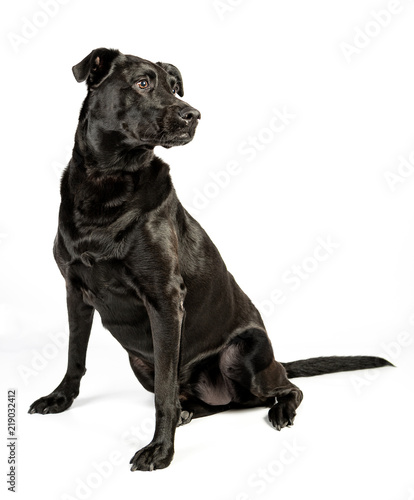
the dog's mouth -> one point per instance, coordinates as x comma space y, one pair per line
178, 139
170, 138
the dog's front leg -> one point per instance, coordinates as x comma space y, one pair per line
166, 323
80, 322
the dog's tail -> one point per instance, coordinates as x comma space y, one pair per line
331, 364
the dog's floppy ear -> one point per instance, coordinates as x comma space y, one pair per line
173, 71
95, 67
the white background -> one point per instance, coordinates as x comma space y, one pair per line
320, 175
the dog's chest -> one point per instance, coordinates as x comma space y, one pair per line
108, 287
103, 282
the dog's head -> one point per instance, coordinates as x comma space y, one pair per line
133, 102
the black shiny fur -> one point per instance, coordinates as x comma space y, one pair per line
128, 249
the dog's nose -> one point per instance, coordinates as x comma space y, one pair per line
190, 113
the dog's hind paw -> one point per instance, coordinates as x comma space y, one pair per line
185, 417
280, 416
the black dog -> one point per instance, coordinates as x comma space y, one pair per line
127, 248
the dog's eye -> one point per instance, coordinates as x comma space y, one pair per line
175, 90
142, 84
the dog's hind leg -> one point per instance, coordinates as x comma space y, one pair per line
248, 360
195, 408
273, 382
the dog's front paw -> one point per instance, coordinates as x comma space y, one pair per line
56, 402
154, 456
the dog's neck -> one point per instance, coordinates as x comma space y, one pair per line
107, 152
101, 188
105, 174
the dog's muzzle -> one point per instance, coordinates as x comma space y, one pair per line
179, 126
